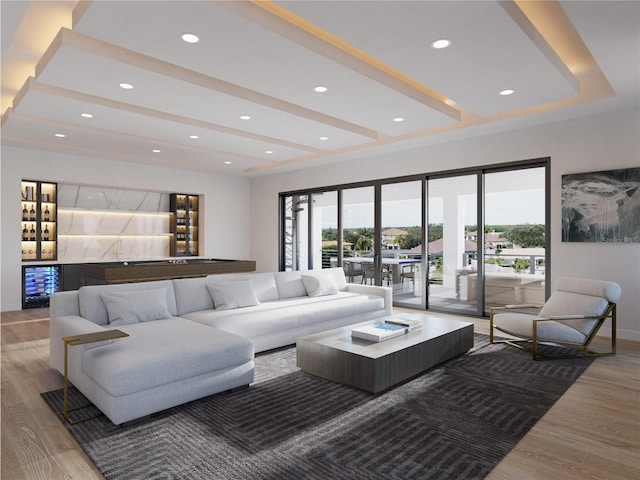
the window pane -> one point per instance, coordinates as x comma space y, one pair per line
294, 248
452, 206
515, 237
325, 229
401, 240
358, 233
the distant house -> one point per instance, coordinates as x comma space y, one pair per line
492, 240
389, 236
436, 247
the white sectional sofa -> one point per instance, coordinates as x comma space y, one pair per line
189, 338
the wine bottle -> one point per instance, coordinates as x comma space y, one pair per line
45, 233
46, 214
32, 233
25, 213
25, 233
32, 213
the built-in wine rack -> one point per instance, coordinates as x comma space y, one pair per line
184, 225
39, 215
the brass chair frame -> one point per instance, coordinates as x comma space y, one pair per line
534, 342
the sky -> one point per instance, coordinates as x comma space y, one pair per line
502, 208
511, 197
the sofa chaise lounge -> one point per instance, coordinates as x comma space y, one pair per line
189, 338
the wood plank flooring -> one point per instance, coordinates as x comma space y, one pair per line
592, 432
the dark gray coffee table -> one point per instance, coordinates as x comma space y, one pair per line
375, 367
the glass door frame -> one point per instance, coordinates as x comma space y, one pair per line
308, 193
480, 171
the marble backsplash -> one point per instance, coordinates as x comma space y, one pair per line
111, 248
99, 198
103, 224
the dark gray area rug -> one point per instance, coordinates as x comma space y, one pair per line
456, 421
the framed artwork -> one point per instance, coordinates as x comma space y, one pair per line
601, 206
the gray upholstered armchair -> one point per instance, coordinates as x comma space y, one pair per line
571, 318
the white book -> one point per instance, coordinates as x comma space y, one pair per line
379, 331
409, 321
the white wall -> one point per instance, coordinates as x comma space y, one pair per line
601, 142
226, 206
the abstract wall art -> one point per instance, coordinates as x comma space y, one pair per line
601, 206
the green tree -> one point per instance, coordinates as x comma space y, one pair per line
399, 240
526, 236
329, 234
366, 232
413, 238
351, 236
435, 231
521, 265
364, 243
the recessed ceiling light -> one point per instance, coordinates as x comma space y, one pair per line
86, 115
324, 138
506, 92
155, 150
194, 137
398, 119
268, 151
441, 43
320, 89
126, 86
190, 38
245, 117
60, 135
227, 162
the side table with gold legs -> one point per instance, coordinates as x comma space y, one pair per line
82, 340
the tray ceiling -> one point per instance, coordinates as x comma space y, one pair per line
264, 59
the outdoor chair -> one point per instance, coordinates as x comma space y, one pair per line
369, 272
352, 270
570, 318
408, 272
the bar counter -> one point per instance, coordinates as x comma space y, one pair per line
77, 275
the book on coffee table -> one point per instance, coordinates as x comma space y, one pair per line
412, 322
379, 331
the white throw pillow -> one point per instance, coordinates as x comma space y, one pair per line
124, 308
319, 284
238, 294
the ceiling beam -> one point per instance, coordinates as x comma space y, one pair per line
286, 24
123, 55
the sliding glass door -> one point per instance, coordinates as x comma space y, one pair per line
401, 242
515, 226
452, 247
294, 236
324, 230
309, 238
459, 242
358, 230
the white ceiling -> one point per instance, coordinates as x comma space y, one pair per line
264, 59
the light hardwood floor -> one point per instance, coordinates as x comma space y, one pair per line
592, 432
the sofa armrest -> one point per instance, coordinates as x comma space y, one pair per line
385, 292
64, 303
66, 326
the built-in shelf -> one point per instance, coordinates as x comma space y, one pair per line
39, 220
184, 225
